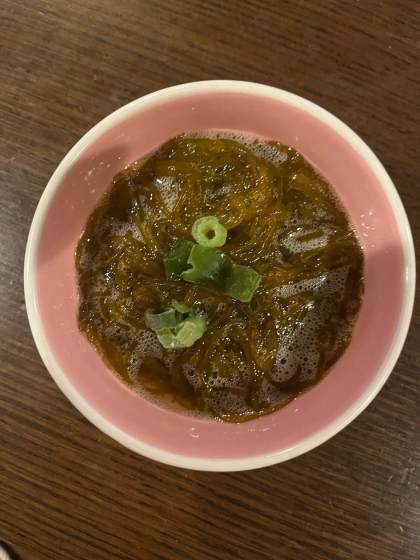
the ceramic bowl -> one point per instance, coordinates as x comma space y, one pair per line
376, 212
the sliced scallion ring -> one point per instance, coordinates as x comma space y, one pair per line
209, 232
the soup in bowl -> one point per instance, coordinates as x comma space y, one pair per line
71, 336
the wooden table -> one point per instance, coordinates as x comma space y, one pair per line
67, 491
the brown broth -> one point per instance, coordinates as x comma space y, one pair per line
283, 220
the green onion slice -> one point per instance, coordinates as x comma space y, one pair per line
213, 268
210, 267
177, 327
242, 282
209, 232
159, 321
176, 261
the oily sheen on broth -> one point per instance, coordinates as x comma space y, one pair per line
283, 220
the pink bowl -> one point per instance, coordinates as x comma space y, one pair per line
363, 186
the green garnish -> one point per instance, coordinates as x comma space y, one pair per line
209, 232
192, 329
177, 327
242, 282
168, 339
176, 261
210, 267
205, 264
213, 268
159, 321
180, 307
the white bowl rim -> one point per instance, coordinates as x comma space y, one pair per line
207, 464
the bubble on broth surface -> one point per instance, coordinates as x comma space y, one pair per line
258, 147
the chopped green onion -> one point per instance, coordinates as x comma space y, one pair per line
210, 267
169, 340
192, 329
209, 232
213, 268
176, 261
180, 307
242, 282
159, 321
178, 327
207, 265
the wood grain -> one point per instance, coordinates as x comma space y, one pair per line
66, 490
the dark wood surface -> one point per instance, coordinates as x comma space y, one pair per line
66, 490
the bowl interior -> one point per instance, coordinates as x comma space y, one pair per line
126, 136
